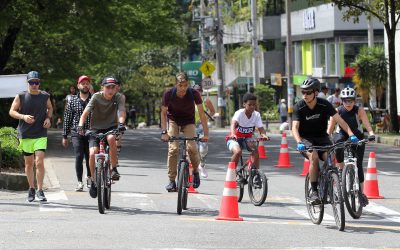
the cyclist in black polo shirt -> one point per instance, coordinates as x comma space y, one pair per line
309, 128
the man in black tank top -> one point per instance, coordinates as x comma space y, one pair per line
354, 116
309, 128
34, 111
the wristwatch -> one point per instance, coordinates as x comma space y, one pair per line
164, 132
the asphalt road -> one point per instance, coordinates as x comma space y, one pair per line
143, 214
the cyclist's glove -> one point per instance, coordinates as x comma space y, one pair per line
353, 138
301, 146
371, 138
121, 127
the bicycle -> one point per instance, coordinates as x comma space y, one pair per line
183, 173
257, 181
329, 189
103, 170
350, 182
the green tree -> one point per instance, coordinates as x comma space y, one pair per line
387, 12
265, 96
371, 74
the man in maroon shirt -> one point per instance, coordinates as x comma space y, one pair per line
178, 114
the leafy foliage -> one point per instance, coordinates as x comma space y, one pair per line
11, 157
265, 97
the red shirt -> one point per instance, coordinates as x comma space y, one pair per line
181, 109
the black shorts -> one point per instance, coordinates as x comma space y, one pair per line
93, 141
316, 141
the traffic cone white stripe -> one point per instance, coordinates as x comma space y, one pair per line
230, 192
371, 177
230, 175
284, 150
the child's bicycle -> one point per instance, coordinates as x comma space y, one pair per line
183, 173
103, 170
257, 181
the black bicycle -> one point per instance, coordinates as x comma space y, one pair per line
350, 182
329, 189
183, 173
257, 181
103, 169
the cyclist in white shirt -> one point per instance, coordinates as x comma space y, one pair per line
243, 125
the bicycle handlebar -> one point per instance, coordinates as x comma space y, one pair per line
100, 136
181, 138
257, 138
337, 145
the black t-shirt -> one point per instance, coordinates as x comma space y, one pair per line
313, 122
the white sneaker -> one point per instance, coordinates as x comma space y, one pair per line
203, 171
79, 187
88, 182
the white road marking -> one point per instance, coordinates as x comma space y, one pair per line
383, 212
209, 200
142, 201
51, 197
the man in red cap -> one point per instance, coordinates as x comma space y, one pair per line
72, 114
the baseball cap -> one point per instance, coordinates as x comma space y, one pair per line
107, 81
82, 78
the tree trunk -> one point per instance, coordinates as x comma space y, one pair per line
7, 46
392, 83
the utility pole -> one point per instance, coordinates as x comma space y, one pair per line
254, 42
290, 90
202, 38
220, 121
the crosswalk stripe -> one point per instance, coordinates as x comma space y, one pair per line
51, 207
142, 201
383, 212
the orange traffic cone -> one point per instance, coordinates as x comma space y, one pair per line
191, 189
371, 189
284, 159
262, 153
229, 204
306, 167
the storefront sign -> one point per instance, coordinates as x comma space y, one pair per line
309, 19
276, 79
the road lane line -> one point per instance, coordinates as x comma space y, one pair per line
141, 201
383, 212
52, 197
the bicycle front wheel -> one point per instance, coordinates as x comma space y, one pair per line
336, 199
100, 185
258, 187
350, 189
315, 211
107, 190
181, 185
240, 184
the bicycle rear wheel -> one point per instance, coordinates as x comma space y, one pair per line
185, 190
107, 190
315, 211
100, 185
258, 187
181, 188
350, 190
336, 199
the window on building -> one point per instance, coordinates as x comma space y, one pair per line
298, 59
332, 59
320, 56
351, 50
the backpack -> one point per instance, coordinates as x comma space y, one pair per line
173, 94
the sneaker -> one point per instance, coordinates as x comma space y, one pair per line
114, 174
93, 190
31, 194
171, 187
314, 198
203, 170
363, 199
88, 182
79, 187
40, 195
196, 179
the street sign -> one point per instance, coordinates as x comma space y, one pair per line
192, 70
207, 83
207, 68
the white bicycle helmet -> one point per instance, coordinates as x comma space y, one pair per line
348, 93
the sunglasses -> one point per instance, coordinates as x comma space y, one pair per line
348, 100
307, 92
34, 83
